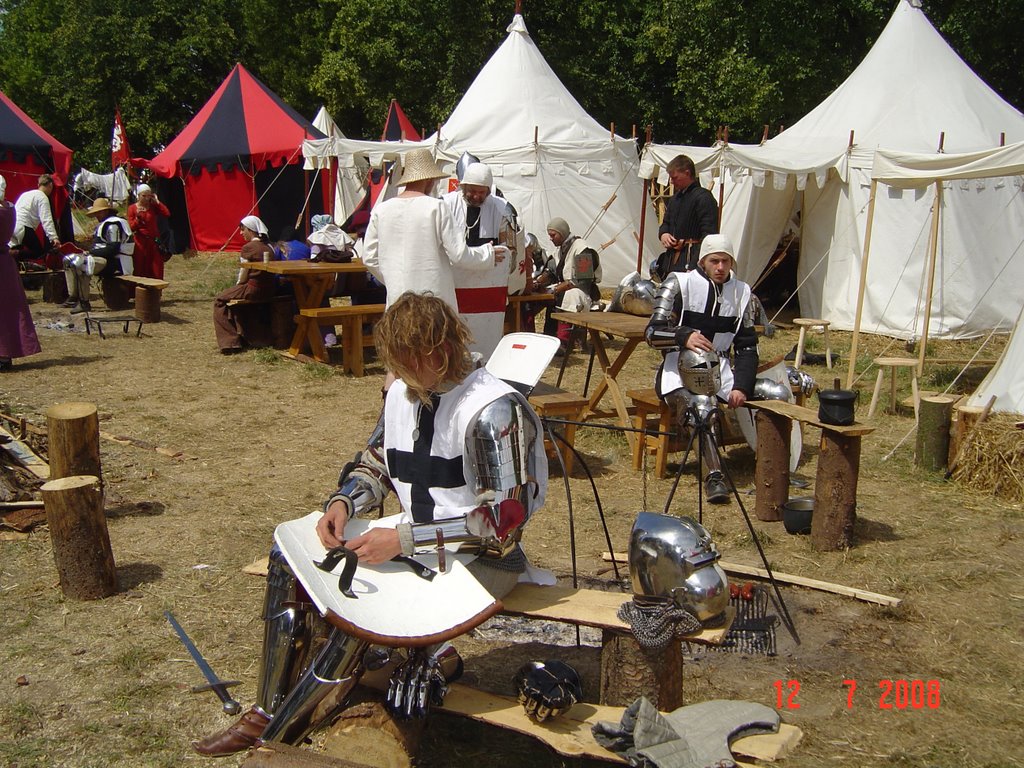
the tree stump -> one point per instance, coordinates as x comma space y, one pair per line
932, 450
73, 431
117, 295
629, 671
368, 730
147, 304
277, 755
835, 491
78, 532
771, 473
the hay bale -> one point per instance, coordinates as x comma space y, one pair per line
993, 463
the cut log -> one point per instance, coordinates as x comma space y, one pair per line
147, 304
368, 730
55, 288
78, 532
74, 430
771, 473
277, 755
932, 449
835, 491
629, 671
117, 295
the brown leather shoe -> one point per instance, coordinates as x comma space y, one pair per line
241, 736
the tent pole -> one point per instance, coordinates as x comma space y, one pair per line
643, 210
863, 283
932, 257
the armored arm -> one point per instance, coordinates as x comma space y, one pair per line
363, 482
502, 469
745, 354
662, 331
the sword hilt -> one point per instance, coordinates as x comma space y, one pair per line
231, 706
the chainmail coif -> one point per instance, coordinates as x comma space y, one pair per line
656, 624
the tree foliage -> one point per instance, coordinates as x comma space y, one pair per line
686, 67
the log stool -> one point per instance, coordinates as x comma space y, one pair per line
811, 322
560, 405
892, 363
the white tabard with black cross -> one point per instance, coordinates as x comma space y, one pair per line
424, 449
716, 314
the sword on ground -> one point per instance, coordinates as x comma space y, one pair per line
214, 683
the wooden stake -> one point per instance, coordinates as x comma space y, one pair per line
147, 304
850, 145
771, 472
78, 532
74, 440
643, 224
629, 671
764, 136
863, 283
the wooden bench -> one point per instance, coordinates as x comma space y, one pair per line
835, 486
280, 315
559, 404
351, 318
118, 292
654, 414
656, 674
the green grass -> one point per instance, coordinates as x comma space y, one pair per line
266, 356
317, 372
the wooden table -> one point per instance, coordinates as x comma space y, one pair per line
311, 280
618, 325
514, 310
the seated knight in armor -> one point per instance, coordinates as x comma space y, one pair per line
704, 317
577, 278
110, 255
460, 449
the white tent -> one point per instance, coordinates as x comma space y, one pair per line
549, 157
349, 182
910, 171
912, 93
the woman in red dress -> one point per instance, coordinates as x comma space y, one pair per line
142, 218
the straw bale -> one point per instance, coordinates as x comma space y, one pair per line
993, 462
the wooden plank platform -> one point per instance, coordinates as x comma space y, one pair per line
588, 608
148, 282
570, 734
807, 416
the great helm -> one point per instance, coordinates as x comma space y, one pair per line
634, 296
700, 371
673, 559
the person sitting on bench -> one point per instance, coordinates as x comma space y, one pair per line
442, 445
110, 255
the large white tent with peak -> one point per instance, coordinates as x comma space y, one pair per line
549, 157
911, 93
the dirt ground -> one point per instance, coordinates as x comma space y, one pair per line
262, 442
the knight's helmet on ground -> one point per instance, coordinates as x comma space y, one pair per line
634, 295
674, 560
700, 371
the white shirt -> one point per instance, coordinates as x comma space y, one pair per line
33, 209
412, 244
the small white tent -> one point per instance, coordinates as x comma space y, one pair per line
912, 93
348, 183
549, 157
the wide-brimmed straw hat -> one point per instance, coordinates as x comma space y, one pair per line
100, 205
419, 165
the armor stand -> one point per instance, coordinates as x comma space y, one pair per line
701, 416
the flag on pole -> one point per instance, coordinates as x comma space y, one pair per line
120, 154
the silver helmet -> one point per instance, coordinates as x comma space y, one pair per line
674, 559
634, 295
464, 162
701, 371
770, 389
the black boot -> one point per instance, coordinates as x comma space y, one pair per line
716, 488
80, 307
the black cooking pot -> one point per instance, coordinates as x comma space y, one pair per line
836, 406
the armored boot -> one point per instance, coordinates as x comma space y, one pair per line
716, 487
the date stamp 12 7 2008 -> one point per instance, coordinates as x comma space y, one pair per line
891, 694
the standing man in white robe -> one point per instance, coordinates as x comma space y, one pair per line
482, 294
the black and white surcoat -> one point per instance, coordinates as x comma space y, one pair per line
425, 449
720, 313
